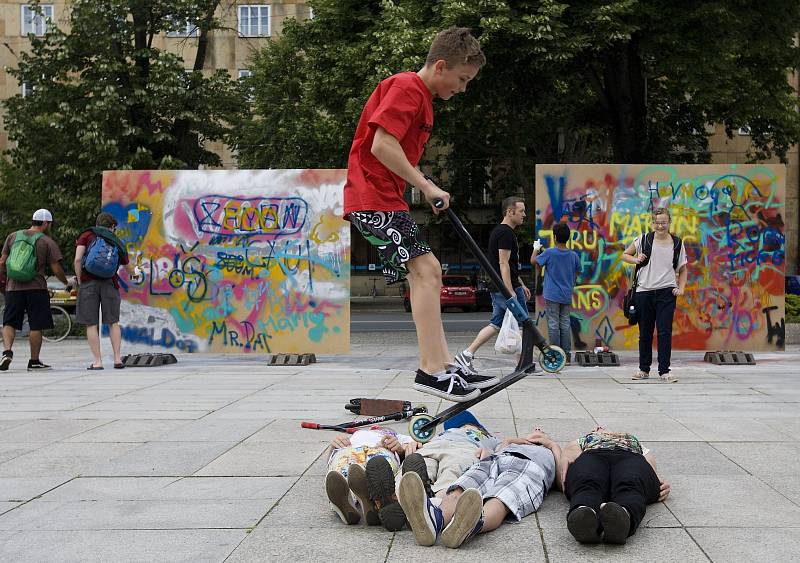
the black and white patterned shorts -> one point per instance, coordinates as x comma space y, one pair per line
396, 236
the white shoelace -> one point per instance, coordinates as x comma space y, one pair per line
455, 380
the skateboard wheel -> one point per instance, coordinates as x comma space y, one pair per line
415, 428
553, 359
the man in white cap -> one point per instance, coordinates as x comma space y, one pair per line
25, 255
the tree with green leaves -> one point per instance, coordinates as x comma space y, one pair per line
102, 97
585, 81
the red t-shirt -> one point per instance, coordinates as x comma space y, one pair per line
403, 106
85, 239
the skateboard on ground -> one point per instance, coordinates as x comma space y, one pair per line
552, 359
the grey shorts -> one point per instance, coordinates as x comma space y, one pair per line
94, 295
516, 482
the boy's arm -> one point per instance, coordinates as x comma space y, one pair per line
388, 151
80, 250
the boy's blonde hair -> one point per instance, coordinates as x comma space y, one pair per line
454, 46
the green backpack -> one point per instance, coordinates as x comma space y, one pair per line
22, 264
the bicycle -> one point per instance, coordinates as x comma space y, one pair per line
62, 324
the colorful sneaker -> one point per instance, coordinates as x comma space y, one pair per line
380, 487
584, 525
475, 379
339, 496
423, 516
467, 519
640, 375
5, 361
448, 386
357, 481
416, 463
616, 523
37, 365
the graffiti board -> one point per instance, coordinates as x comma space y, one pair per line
234, 261
730, 218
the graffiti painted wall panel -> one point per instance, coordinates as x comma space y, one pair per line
731, 220
234, 261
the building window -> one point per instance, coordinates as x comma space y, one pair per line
183, 29
254, 20
310, 13
35, 21
744, 131
26, 89
245, 72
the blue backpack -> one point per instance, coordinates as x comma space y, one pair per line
101, 258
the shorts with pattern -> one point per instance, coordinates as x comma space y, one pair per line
396, 236
517, 482
341, 459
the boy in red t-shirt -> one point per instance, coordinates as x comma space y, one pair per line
391, 135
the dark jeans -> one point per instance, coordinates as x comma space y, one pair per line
619, 476
656, 309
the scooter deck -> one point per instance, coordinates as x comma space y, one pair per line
505, 382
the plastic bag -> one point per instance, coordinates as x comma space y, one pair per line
509, 341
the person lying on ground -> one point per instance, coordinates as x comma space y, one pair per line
507, 483
609, 479
358, 465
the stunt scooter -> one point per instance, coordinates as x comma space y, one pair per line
551, 358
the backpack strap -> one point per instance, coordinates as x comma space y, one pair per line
676, 251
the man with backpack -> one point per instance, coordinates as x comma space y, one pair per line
660, 277
98, 255
25, 255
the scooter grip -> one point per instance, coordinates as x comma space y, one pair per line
312, 425
438, 203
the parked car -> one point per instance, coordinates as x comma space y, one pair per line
792, 285
60, 296
457, 291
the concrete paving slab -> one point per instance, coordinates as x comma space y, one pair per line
763, 459
648, 544
731, 429
734, 501
691, 458
49, 430
254, 460
743, 544
134, 515
164, 459
293, 543
57, 459
650, 427
170, 488
25, 488
126, 431
188, 546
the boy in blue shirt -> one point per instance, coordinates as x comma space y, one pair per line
562, 266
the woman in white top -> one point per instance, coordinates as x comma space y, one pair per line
661, 279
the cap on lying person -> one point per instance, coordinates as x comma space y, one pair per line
462, 419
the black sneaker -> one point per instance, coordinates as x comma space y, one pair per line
380, 487
584, 525
416, 464
449, 386
37, 365
616, 523
5, 361
475, 379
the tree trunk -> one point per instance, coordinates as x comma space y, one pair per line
622, 91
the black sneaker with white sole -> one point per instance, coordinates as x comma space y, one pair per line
5, 361
37, 365
475, 379
446, 385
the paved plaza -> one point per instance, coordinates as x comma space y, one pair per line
205, 460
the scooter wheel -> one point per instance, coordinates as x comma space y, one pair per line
553, 359
415, 428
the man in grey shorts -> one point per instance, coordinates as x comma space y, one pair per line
96, 293
507, 483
